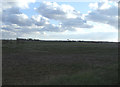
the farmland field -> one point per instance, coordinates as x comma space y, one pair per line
59, 63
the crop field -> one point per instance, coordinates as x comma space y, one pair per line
59, 63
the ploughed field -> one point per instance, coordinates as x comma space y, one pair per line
59, 63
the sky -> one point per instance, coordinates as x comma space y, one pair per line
46, 20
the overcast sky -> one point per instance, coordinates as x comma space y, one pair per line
60, 20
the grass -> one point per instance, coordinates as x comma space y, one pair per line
59, 63
87, 77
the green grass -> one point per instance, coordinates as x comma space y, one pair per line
60, 63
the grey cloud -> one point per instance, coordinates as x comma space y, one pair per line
55, 11
14, 16
51, 13
17, 19
51, 28
106, 16
112, 11
17, 31
39, 20
7, 35
76, 22
13, 10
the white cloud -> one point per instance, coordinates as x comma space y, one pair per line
16, 3
24, 3
93, 5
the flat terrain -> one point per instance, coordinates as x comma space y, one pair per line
59, 63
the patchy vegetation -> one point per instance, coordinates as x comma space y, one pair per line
59, 63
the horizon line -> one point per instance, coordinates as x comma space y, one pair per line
61, 40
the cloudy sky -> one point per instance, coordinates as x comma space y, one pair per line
96, 21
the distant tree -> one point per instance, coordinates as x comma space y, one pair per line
68, 39
30, 39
